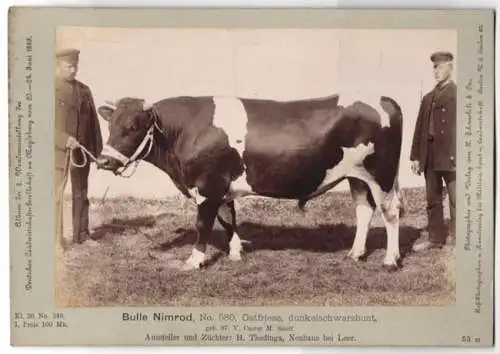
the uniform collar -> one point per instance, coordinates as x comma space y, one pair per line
61, 81
443, 85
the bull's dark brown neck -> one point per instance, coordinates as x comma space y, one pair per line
163, 157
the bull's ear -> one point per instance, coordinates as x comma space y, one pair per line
105, 112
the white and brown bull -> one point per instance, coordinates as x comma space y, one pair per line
217, 149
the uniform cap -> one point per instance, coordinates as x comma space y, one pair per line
68, 54
440, 57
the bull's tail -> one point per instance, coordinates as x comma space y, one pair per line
395, 117
392, 138
401, 199
301, 204
302, 201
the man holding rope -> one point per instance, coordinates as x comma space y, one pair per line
78, 137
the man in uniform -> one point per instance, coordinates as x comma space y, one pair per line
433, 151
76, 123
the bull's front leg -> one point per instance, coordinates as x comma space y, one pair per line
207, 212
227, 218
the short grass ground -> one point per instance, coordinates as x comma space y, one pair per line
291, 258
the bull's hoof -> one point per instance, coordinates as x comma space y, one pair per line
235, 256
392, 261
192, 263
236, 247
392, 265
391, 268
190, 266
356, 255
195, 261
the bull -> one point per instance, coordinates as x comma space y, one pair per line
217, 149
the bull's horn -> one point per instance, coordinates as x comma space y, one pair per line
146, 105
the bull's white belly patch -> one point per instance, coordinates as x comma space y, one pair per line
230, 116
240, 188
351, 164
373, 100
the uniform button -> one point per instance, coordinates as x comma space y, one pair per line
452, 158
443, 109
442, 120
442, 132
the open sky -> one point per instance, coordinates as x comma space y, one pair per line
267, 63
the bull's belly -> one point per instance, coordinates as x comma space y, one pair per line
276, 178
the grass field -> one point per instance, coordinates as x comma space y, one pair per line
292, 258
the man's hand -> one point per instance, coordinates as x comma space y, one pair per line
71, 143
415, 167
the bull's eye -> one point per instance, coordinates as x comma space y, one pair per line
133, 127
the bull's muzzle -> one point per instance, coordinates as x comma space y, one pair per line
107, 163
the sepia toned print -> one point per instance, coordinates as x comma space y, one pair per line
251, 177
270, 143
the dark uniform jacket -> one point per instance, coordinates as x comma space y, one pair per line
440, 106
75, 115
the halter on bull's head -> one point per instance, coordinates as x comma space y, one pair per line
131, 129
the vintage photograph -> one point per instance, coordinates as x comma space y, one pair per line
254, 167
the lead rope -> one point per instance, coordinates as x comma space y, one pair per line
69, 161
60, 203
135, 164
88, 155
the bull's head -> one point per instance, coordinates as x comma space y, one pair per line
130, 131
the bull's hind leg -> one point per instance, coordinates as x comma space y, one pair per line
389, 205
365, 207
391, 216
227, 218
207, 211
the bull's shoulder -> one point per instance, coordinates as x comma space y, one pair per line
185, 99
185, 106
190, 115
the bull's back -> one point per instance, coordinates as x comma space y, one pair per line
284, 148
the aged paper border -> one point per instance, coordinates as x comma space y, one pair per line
100, 326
